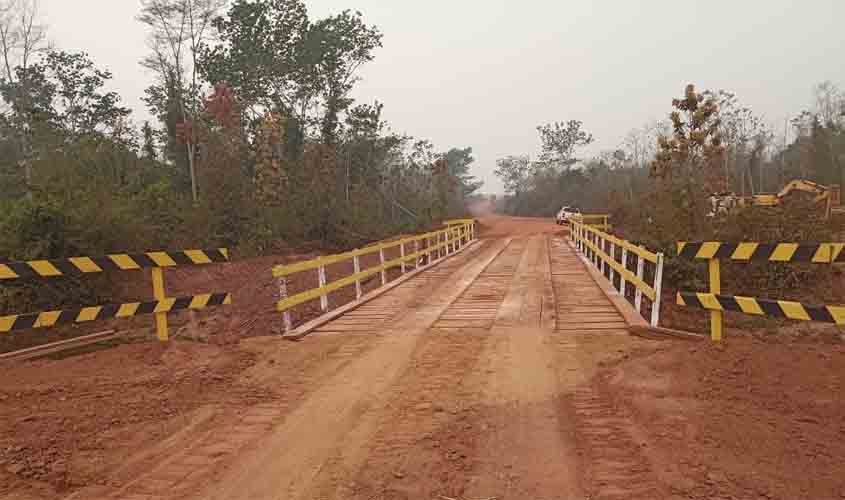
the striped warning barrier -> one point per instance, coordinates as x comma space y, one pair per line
820, 253
716, 303
49, 319
157, 262
762, 307
77, 266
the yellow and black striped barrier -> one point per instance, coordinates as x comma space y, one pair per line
716, 303
819, 253
49, 319
762, 307
77, 266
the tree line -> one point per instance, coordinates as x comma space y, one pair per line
656, 185
255, 144
710, 143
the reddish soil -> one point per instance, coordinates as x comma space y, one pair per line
415, 395
63, 422
755, 417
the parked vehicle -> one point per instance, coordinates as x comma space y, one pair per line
566, 213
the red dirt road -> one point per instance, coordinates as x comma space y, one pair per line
502, 373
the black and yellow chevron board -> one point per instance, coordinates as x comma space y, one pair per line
76, 266
762, 307
97, 313
820, 253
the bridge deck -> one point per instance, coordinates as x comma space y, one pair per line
462, 382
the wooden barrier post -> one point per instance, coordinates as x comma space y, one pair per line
658, 288
715, 288
356, 262
638, 295
160, 294
417, 253
324, 299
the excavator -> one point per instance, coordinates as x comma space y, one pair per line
829, 198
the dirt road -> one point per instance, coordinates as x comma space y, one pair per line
505, 372
457, 384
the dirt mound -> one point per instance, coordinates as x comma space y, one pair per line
751, 418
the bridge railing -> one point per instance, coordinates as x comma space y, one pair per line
81, 266
613, 257
417, 252
597, 221
717, 304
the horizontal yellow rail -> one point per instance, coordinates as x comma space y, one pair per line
287, 270
638, 250
630, 277
452, 235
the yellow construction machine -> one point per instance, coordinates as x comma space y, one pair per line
829, 197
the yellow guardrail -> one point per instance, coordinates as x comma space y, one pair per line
598, 221
601, 248
429, 247
714, 252
79, 266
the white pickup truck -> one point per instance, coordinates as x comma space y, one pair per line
567, 213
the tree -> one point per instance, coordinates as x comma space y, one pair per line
333, 50
559, 142
178, 29
515, 173
279, 60
459, 162
688, 162
259, 55
22, 38
744, 135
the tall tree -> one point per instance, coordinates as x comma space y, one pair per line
22, 38
689, 161
560, 141
333, 51
178, 29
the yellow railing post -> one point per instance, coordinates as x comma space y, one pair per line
715, 288
160, 294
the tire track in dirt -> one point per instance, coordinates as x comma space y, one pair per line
528, 450
413, 446
215, 435
333, 417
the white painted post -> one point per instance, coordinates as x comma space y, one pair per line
612, 253
283, 294
658, 288
402, 254
625, 267
356, 261
324, 299
383, 271
638, 295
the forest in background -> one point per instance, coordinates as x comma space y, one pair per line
256, 145
656, 184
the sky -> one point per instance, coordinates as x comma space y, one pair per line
485, 73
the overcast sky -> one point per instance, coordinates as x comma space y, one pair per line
485, 73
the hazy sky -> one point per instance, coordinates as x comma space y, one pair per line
485, 73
